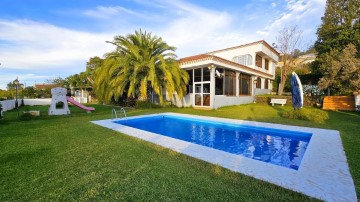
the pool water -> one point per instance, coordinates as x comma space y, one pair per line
279, 147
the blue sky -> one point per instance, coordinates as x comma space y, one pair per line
44, 39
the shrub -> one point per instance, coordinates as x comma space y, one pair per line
309, 114
27, 117
145, 105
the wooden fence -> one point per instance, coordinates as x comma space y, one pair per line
346, 103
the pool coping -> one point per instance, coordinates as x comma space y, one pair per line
323, 172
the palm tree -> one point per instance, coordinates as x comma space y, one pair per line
141, 62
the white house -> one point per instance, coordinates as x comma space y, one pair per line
230, 76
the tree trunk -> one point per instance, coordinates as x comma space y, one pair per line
282, 85
281, 88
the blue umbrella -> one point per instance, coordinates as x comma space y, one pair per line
296, 91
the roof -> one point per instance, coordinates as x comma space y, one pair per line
204, 57
249, 44
44, 86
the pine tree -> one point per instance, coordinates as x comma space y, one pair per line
340, 27
342, 71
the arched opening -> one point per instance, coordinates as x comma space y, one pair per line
59, 105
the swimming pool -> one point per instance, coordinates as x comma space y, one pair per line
323, 172
279, 147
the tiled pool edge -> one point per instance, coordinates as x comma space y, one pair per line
323, 173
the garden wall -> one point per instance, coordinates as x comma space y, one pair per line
308, 101
7, 105
10, 104
32, 102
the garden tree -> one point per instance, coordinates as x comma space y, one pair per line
78, 80
288, 40
4, 94
58, 82
342, 71
91, 65
94, 63
141, 62
10, 86
340, 27
85, 79
31, 92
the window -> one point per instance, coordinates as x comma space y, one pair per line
189, 87
266, 64
244, 84
219, 83
266, 83
258, 83
243, 59
206, 74
230, 83
197, 75
258, 61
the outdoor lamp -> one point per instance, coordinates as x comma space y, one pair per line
22, 94
255, 80
16, 83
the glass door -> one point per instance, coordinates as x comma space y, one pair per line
202, 94
201, 87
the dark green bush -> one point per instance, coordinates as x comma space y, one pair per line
27, 117
145, 105
309, 114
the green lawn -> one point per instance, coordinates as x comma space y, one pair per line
68, 158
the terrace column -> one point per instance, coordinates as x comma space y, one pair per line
212, 87
237, 83
253, 84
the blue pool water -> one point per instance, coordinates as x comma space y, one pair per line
279, 147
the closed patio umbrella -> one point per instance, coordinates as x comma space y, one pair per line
296, 91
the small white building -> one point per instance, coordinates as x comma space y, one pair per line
229, 76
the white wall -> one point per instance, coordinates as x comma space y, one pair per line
185, 102
223, 100
42, 101
8, 105
357, 99
230, 54
252, 50
81, 99
269, 53
261, 91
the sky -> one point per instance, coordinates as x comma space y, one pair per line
45, 39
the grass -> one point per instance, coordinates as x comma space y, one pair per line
68, 158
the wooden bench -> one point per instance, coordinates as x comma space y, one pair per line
278, 101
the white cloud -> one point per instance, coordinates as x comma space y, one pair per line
108, 12
273, 4
40, 45
27, 46
199, 30
303, 13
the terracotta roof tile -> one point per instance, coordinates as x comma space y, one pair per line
194, 58
45, 86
